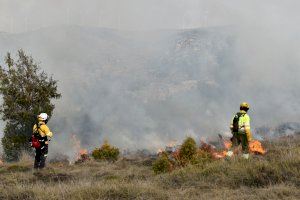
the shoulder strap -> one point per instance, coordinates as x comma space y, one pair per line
38, 126
236, 120
241, 114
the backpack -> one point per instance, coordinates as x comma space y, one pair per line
236, 120
35, 138
35, 143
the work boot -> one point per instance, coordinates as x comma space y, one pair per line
229, 154
245, 156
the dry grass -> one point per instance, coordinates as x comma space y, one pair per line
274, 176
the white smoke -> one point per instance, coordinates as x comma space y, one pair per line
144, 87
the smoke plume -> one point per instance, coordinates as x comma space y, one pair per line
159, 70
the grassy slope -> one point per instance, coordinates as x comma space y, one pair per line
274, 176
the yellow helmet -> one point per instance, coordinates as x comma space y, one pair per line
244, 105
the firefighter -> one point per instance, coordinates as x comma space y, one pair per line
240, 129
44, 135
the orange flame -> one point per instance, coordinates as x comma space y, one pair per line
256, 147
172, 143
159, 151
212, 150
77, 145
83, 152
227, 144
219, 155
171, 146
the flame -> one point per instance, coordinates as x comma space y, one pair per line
170, 147
256, 147
212, 150
1, 162
227, 144
172, 143
219, 155
80, 152
159, 151
83, 152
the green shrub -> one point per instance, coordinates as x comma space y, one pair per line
26, 90
13, 145
202, 157
187, 154
106, 152
162, 165
188, 151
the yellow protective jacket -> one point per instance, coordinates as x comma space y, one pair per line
43, 129
244, 125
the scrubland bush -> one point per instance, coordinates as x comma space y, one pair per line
202, 157
162, 165
13, 145
106, 152
188, 151
187, 154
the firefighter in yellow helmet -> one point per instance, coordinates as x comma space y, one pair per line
240, 129
42, 134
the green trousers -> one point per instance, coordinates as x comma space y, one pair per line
240, 138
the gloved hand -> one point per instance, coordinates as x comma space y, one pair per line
249, 135
48, 140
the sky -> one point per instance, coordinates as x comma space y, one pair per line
22, 16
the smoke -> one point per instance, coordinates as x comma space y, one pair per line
161, 69
19, 16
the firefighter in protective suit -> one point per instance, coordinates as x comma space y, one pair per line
43, 133
240, 129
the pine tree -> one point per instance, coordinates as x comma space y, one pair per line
26, 91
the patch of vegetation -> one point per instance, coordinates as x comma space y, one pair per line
46, 176
106, 152
275, 175
188, 151
162, 165
18, 195
18, 168
14, 144
188, 154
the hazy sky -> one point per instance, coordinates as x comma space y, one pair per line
24, 15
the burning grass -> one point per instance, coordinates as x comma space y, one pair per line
275, 175
188, 153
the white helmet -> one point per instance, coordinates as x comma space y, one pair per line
43, 116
